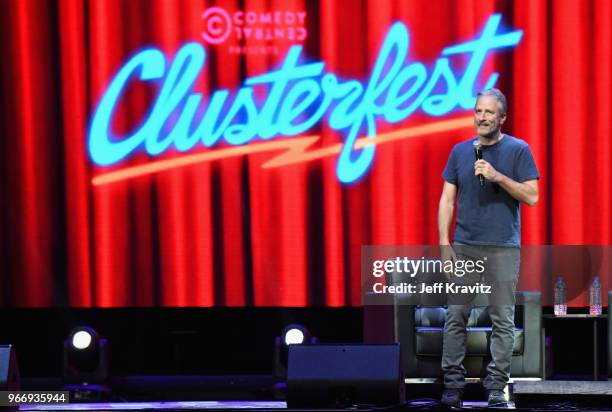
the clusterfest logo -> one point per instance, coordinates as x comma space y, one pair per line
299, 95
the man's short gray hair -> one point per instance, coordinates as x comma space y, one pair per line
501, 99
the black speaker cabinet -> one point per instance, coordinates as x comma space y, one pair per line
9, 373
341, 375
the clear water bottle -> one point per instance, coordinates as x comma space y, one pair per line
560, 303
595, 297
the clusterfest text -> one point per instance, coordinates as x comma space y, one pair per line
298, 96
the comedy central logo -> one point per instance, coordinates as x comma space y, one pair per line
251, 32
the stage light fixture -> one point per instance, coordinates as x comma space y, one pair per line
82, 339
293, 334
85, 356
86, 363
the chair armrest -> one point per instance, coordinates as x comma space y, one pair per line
528, 297
383, 314
532, 326
405, 334
378, 324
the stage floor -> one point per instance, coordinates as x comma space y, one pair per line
216, 405
137, 406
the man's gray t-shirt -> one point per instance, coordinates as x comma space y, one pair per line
489, 215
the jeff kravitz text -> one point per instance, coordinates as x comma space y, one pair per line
434, 288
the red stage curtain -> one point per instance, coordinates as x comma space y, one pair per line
232, 233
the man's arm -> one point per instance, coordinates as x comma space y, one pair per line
526, 192
445, 212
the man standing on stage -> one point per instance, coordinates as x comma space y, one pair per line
488, 192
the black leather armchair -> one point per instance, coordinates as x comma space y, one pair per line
418, 327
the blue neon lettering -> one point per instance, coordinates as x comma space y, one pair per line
479, 49
268, 125
180, 133
104, 151
183, 72
396, 99
295, 104
206, 131
298, 96
440, 104
241, 133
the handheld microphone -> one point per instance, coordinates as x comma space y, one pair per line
478, 152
